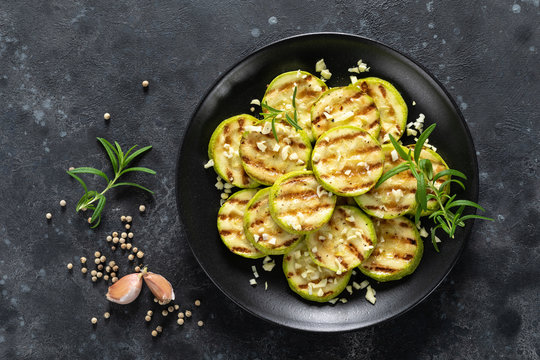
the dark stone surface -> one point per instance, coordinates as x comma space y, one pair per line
65, 63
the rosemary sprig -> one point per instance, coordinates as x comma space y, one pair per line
94, 200
448, 216
273, 113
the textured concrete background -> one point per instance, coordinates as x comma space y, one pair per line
65, 63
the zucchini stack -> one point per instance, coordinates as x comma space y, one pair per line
293, 183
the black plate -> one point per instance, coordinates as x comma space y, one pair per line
198, 199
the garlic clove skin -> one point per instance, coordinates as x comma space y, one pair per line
125, 290
160, 287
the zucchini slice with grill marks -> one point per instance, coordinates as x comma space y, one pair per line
230, 224
394, 197
348, 105
398, 251
224, 150
343, 242
280, 91
309, 280
262, 230
298, 204
392, 108
347, 160
265, 160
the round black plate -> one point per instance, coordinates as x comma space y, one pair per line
198, 199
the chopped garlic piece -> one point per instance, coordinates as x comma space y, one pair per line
349, 289
293, 156
333, 301
266, 128
437, 240
322, 238
364, 284
252, 282
395, 155
314, 250
265, 237
347, 172
267, 259
353, 79
327, 115
209, 164
253, 128
315, 157
256, 237
370, 295
344, 116
412, 132
353, 70
320, 293
326, 74
276, 148
423, 232
355, 285
285, 152
272, 241
266, 285
350, 219
269, 266
219, 185
300, 162
261, 146
255, 102
297, 227
343, 300
362, 66
320, 65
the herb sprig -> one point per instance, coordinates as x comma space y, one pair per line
272, 114
448, 216
94, 200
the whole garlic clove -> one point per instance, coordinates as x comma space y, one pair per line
160, 287
125, 290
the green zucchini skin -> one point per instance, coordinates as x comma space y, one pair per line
260, 228
398, 251
345, 241
392, 108
230, 224
347, 105
266, 166
313, 274
297, 204
347, 160
224, 148
382, 201
280, 91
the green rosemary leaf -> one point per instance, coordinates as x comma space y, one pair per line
274, 128
443, 185
129, 151
89, 170
120, 155
79, 180
421, 140
132, 184
294, 97
268, 107
426, 166
421, 192
473, 216
99, 208
417, 215
455, 220
434, 239
387, 175
399, 149
138, 168
466, 203
131, 157
292, 122
97, 223
449, 172
111, 152
449, 201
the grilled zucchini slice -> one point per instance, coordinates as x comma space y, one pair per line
348, 105
298, 204
309, 280
398, 251
262, 230
224, 150
343, 242
280, 91
347, 160
230, 224
392, 108
394, 197
265, 160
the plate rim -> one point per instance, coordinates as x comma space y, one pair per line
475, 193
